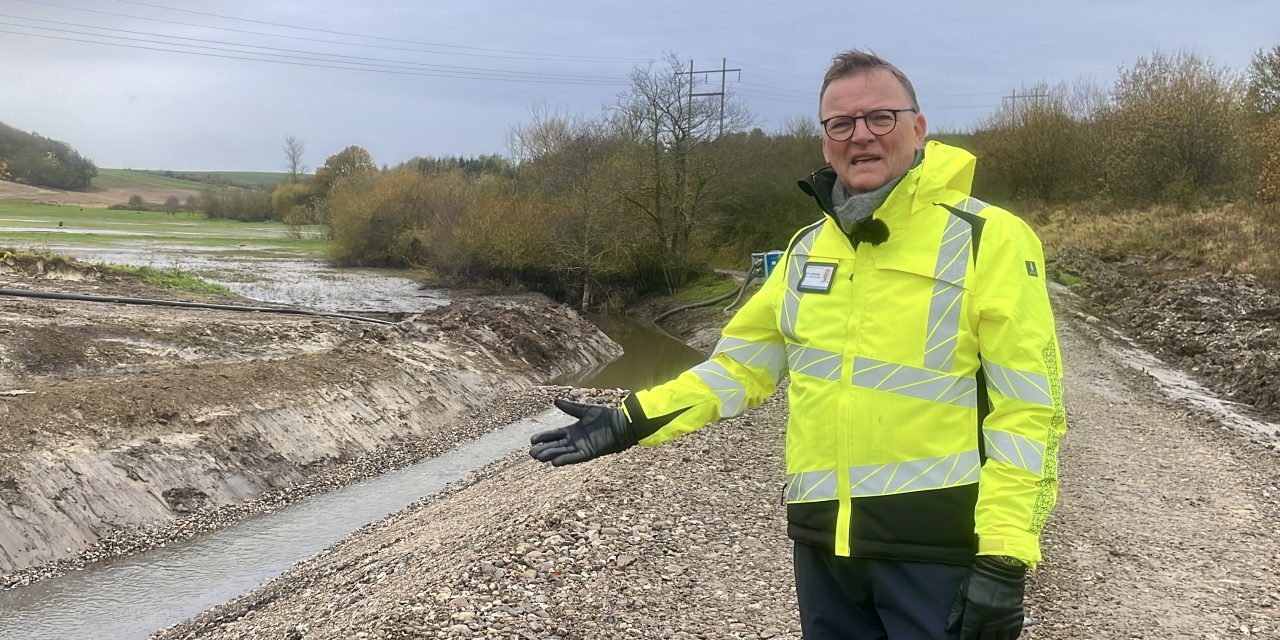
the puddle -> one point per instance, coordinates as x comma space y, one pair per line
650, 356
1181, 386
135, 596
1175, 383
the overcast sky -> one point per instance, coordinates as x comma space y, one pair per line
124, 106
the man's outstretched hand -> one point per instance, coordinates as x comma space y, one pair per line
599, 431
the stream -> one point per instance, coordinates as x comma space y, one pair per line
137, 595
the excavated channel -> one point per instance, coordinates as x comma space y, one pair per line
135, 596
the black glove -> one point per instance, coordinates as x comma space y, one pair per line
989, 603
599, 431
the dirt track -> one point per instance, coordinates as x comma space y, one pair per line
1168, 526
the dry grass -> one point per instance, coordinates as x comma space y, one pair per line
1237, 237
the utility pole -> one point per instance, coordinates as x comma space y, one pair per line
723, 71
1014, 97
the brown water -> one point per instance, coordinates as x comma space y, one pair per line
650, 356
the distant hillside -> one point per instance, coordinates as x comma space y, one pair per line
247, 179
32, 159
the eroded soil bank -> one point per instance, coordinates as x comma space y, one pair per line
1221, 329
122, 427
1168, 526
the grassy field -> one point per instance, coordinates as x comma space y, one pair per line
130, 179
35, 226
262, 178
189, 180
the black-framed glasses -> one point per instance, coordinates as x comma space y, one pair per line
880, 122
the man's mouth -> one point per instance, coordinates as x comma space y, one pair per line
857, 160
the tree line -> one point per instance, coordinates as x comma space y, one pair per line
657, 187
30, 158
1174, 128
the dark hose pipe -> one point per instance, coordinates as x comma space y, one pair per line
746, 281
20, 293
755, 268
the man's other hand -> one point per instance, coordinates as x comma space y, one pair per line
989, 603
599, 431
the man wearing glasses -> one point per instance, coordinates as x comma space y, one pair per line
925, 389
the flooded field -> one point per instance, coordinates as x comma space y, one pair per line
266, 261
276, 276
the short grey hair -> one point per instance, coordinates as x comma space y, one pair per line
854, 62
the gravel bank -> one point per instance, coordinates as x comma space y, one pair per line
1168, 526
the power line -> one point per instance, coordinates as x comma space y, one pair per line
794, 76
724, 72
808, 95
441, 74
543, 57
747, 93
350, 59
385, 39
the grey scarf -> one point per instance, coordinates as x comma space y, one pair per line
852, 209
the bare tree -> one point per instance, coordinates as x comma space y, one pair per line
293, 151
675, 171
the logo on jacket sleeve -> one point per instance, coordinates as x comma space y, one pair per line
818, 277
1031, 269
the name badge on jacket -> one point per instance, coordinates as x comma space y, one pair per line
818, 277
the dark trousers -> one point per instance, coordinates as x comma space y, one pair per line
870, 599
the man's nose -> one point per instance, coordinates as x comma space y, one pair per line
861, 132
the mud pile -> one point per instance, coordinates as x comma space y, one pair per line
124, 426
1223, 328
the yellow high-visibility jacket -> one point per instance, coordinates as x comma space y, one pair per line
926, 385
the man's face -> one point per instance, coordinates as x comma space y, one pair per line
866, 161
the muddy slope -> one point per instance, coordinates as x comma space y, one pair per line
121, 427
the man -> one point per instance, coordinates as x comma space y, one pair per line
925, 387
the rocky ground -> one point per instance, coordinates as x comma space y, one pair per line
1168, 526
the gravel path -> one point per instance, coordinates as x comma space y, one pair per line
1168, 526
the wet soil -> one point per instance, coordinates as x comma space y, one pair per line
1224, 329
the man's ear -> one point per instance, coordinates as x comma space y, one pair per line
921, 130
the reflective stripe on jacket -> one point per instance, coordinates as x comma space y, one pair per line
925, 395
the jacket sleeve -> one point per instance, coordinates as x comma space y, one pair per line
1022, 368
743, 370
